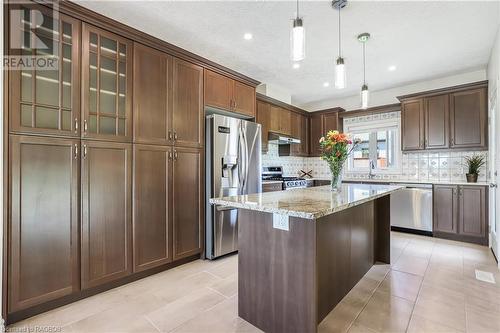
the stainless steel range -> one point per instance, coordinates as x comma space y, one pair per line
276, 173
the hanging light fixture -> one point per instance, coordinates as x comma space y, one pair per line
340, 72
365, 94
298, 38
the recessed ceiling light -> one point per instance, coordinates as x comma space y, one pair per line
392, 68
248, 36
326, 84
296, 65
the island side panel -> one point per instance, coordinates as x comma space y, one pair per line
383, 229
276, 273
345, 252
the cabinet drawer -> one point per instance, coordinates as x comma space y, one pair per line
272, 187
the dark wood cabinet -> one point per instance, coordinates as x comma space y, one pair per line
412, 125
43, 237
316, 132
218, 90
460, 213
468, 118
187, 202
436, 121
445, 208
152, 95
472, 217
106, 212
319, 124
107, 85
152, 229
222, 92
280, 120
48, 101
187, 115
298, 127
244, 99
449, 118
264, 119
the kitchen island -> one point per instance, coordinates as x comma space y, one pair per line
302, 250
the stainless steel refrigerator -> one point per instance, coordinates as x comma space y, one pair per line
233, 167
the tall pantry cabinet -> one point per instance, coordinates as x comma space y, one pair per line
105, 164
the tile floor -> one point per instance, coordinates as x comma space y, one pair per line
430, 287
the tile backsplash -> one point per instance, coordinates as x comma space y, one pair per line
419, 166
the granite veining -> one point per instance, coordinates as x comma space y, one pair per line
308, 203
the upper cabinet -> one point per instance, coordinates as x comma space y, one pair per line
299, 124
280, 121
187, 109
264, 119
107, 85
412, 125
152, 95
447, 118
47, 101
468, 118
320, 123
224, 93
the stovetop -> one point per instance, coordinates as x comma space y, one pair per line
283, 179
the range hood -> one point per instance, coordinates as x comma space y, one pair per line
280, 139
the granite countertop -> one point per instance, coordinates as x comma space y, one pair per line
308, 203
408, 181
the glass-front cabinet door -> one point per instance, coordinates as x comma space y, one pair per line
45, 93
107, 85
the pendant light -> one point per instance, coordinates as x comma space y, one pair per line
298, 38
340, 72
365, 94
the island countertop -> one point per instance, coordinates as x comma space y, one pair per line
308, 203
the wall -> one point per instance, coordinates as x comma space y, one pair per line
275, 92
493, 72
388, 96
415, 167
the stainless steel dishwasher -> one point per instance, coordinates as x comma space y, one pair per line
411, 208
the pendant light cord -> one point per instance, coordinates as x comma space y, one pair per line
364, 64
340, 36
297, 8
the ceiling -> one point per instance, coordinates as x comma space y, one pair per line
423, 39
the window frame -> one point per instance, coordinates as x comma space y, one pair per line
372, 127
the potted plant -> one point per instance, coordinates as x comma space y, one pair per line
473, 163
335, 150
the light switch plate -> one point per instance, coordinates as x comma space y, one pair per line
281, 221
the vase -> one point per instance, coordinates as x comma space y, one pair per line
336, 184
471, 177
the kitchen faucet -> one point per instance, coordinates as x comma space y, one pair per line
371, 168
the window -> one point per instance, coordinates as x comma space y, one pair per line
379, 144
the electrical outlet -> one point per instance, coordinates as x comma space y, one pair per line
281, 221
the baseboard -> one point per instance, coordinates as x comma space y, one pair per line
412, 231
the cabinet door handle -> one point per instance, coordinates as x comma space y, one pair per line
454, 191
84, 151
85, 125
76, 125
175, 155
76, 151
169, 155
175, 136
460, 190
170, 135
452, 142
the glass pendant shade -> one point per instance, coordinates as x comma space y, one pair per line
365, 95
298, 40
340, 74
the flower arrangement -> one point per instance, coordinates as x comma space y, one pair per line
335, 149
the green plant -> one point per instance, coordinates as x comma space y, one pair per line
474, 163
